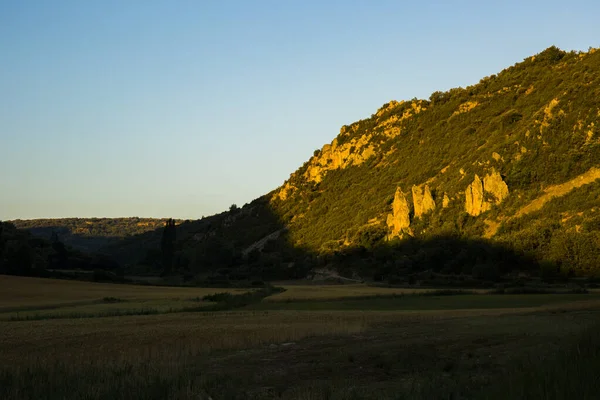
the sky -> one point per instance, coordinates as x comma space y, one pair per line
181, 108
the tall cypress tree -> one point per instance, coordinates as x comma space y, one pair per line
167, 246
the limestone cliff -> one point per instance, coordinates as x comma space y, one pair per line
422, 200
493, 184
475, 202
445, 201
399, 220
332, 156
285, 191
344, 152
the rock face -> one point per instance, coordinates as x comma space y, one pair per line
492, 183
333, 157
445, 201
422, 200
399, 220
474, 203
360, 148
285, 191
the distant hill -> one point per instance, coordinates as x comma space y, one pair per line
90, 234
22, 253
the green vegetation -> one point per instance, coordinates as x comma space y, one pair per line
22, 253
90, 234
92, 227
167, 246
229, 301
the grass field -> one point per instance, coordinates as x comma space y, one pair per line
34, 293
417, 346
419, 303
329, 292
38, 298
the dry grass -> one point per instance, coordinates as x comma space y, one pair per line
143, 336
139, 337
332, 292
20, 293
274, 354
227, 355
106, 309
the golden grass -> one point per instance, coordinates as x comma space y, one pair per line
143, 336
133, 356
140, 337
331, 292
21, 292
101, 309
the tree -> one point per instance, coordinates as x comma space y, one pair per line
167, 246
59, 259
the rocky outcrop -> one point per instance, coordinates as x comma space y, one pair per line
493, 184
399, 220
475, 202
445, 201
548, 114
285, 191
332, 156
344, 153
422, 200
465, 107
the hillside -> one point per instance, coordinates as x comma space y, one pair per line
509, 165
83, 244
498, 178
22, 253
90, 234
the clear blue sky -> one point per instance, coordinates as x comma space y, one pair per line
181, 108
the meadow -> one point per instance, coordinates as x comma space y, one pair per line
31, 293
305, 347
295, 292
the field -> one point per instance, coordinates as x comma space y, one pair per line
329, 292
318, 342
38, 292
38, 298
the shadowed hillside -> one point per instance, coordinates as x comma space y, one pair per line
90, 234
22, 253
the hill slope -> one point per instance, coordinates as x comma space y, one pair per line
90, 234
497, 178
514, 159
